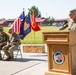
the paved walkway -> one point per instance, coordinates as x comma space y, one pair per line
31, 64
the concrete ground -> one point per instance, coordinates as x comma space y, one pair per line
30, 64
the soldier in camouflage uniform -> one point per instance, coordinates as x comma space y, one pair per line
3, 40
72, 22
13, 43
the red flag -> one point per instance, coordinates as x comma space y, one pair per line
35, 26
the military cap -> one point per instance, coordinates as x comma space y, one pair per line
1, 28
10, 29
72, 11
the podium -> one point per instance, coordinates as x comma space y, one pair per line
61, 49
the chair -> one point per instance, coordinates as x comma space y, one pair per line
16, 52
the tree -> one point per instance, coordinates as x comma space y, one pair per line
36, 11
2, 19
50, 20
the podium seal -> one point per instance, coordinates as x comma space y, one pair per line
58, 57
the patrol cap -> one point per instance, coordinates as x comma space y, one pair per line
72, 11
1, 28
9, 30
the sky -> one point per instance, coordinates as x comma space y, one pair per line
58, 9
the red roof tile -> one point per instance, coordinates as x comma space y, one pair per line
40, 19
62, 19
2, 21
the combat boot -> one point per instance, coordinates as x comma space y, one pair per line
11, 59
0, 57
7, 59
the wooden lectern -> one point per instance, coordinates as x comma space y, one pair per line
61, 48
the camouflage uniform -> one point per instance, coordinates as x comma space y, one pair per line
14, 39
3, 40
72, 22
71, 25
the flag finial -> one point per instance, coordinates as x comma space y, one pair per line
23, 9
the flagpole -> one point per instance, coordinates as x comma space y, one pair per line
30, 35
23, 9
35, 26
26, 43
30, 32
34, 38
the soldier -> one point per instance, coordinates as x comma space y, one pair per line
72, 22
13, 43
3, 40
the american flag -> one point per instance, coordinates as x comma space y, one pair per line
17, 23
